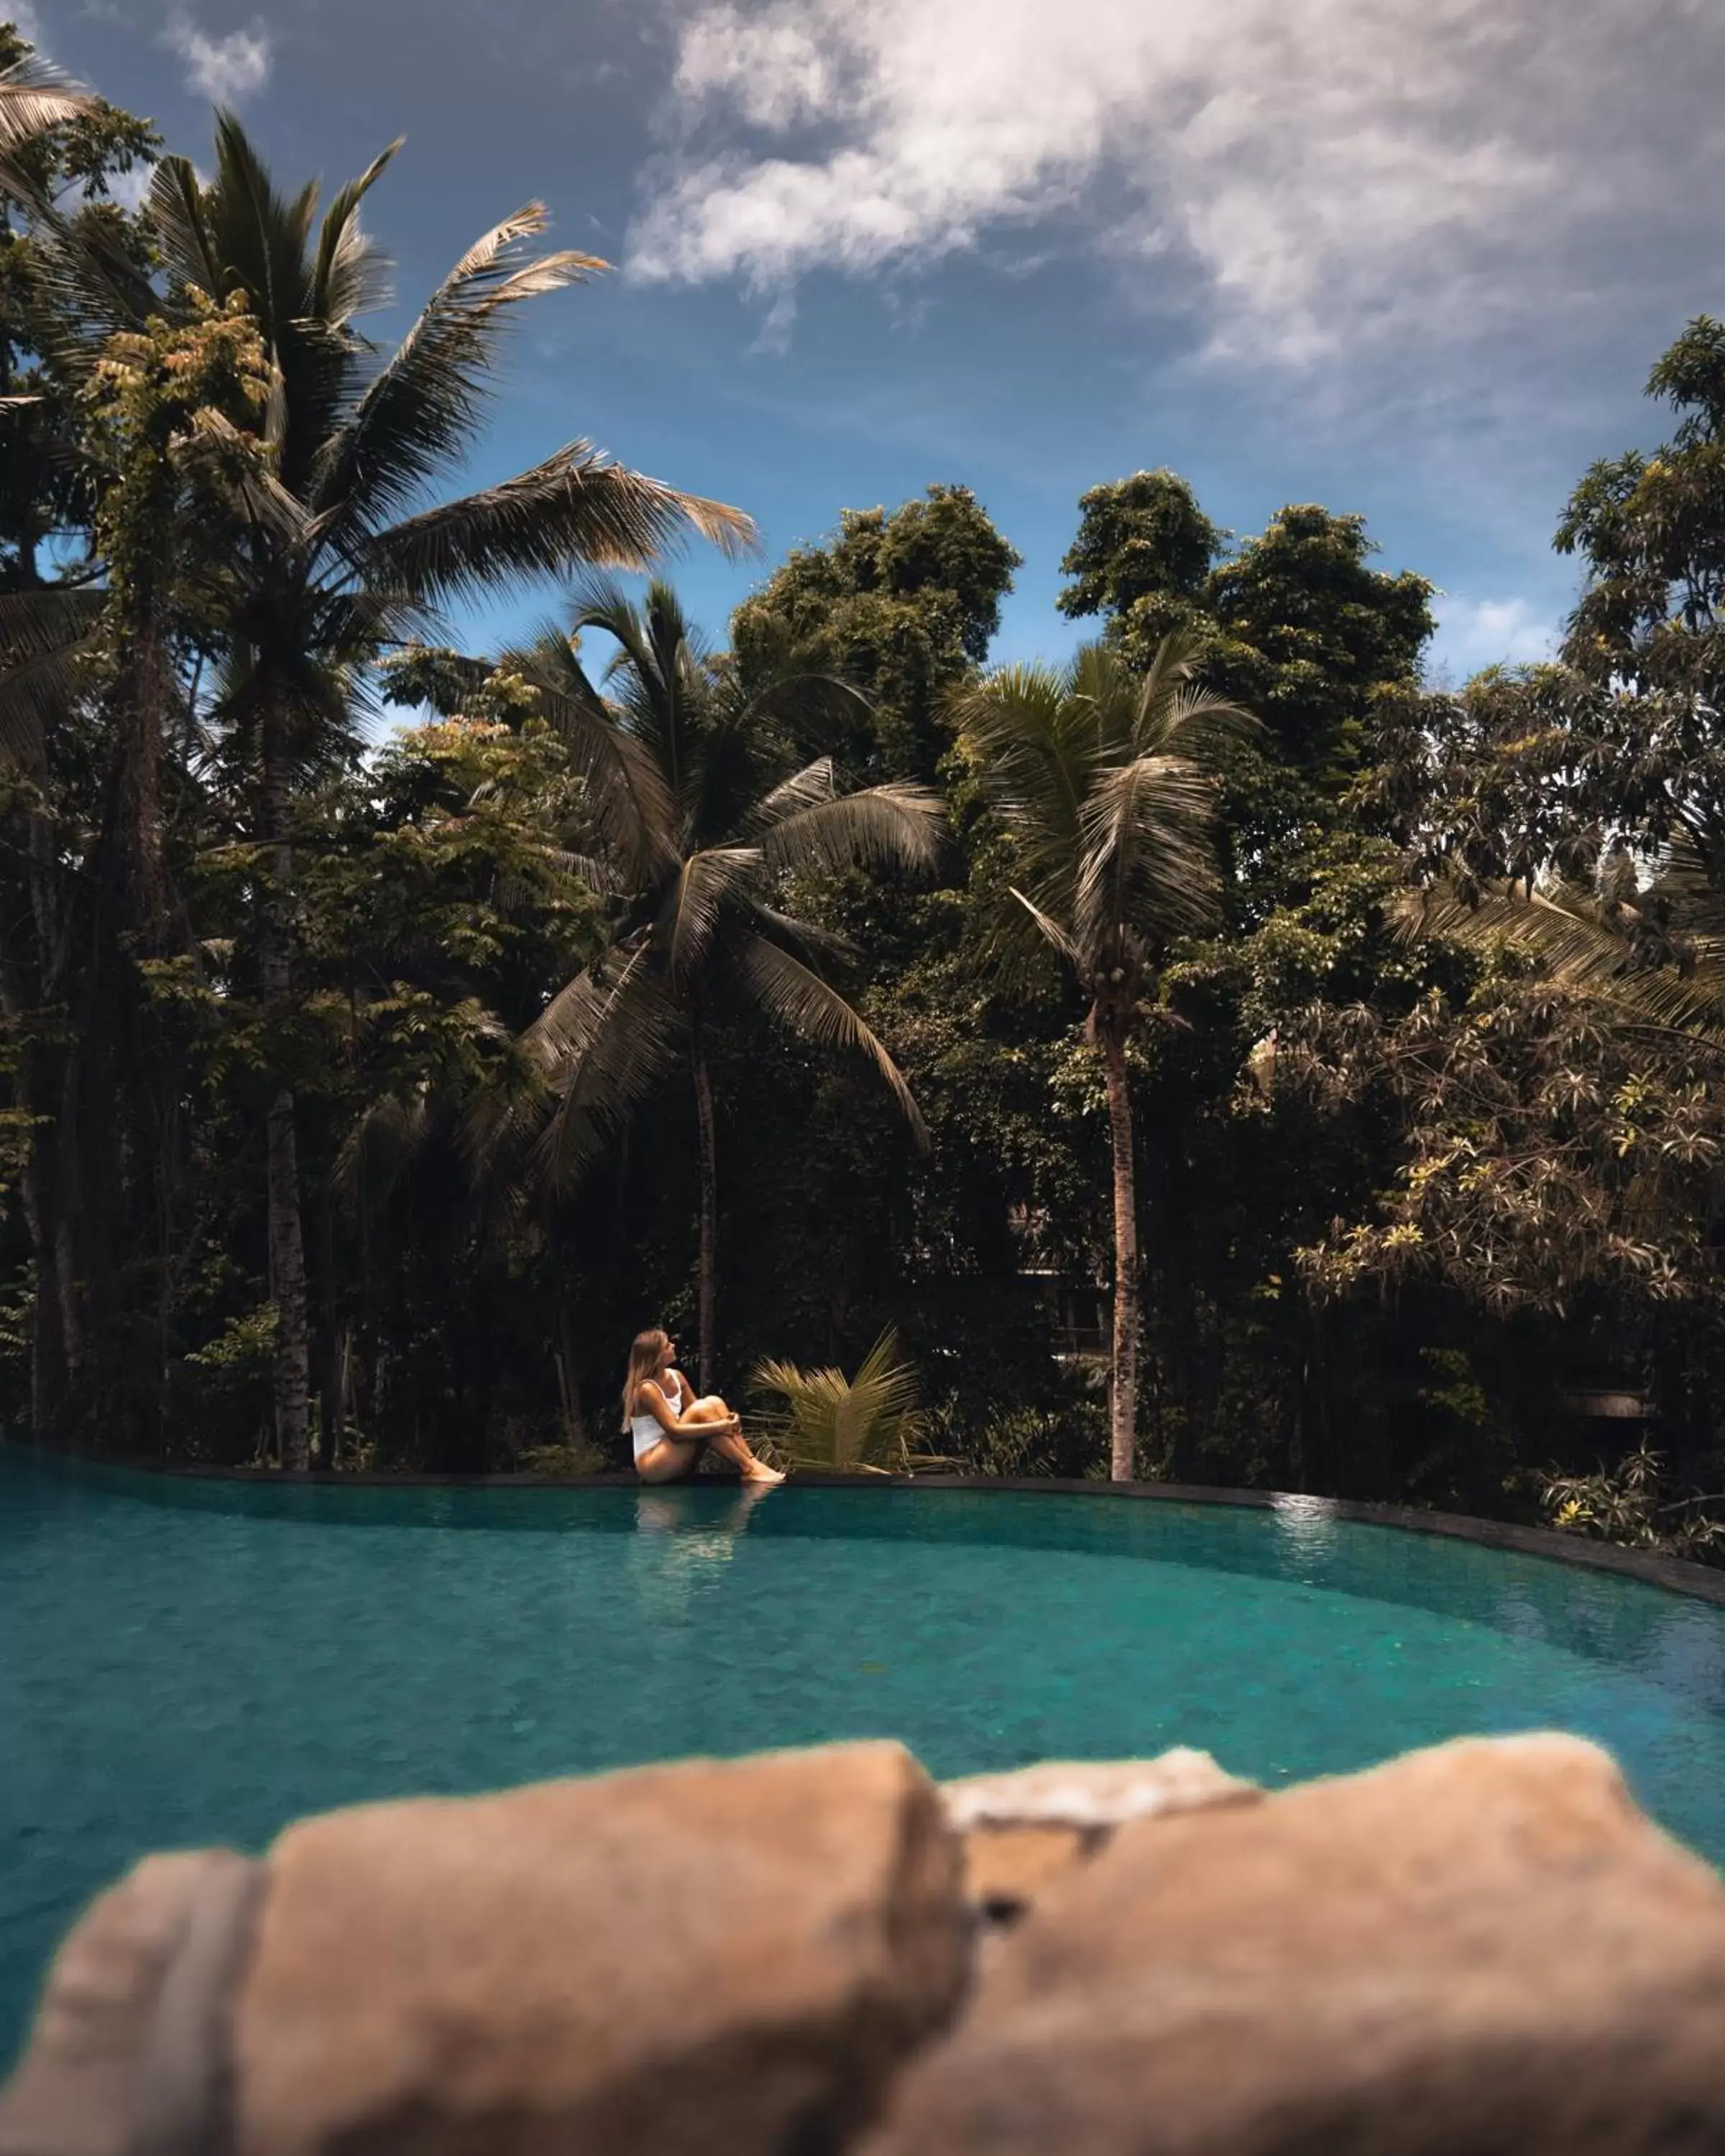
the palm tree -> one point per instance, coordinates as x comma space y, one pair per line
342, 549
697, 847
1106, 783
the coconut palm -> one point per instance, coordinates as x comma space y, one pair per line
1106, 782
344, 549
698, 847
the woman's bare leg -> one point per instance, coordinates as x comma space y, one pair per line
730, 1443
670, 1461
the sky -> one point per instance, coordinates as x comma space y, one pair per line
1414, 262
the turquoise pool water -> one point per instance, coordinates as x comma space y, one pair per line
184, 1663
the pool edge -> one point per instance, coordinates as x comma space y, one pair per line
1676, 1575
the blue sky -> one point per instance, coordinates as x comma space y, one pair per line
1414, 262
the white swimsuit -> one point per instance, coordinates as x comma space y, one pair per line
648, 1431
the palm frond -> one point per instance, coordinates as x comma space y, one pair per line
895, 824
1198, 724
32, 696
577, 507
1147, 862
633, 815
808, 937
503, 1118
599, 602
604, 1041
386, 1140
32, 622
35, 98
42, 636
812, 699
351, 274
695, 904
871, 1423
87, 280
1172, 666
1052, 931
422, 410
795, 996
807, 788
264, 502
183, 234
1033, 762
258, 238
1581, 950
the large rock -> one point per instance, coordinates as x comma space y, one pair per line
128, 2055
1483, 1950
698, 1957
1023, 1830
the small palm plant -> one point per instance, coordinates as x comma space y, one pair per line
871, 1423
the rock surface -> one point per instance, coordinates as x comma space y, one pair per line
1093, 1794
1022, 1831
1484, 1950
702, 1957
128, 2055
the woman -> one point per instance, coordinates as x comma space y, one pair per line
669, 1426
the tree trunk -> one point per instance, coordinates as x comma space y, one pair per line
1123, 1391
707, 1292
286, 1235
144, 692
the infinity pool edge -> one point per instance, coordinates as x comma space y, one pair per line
1676, 1575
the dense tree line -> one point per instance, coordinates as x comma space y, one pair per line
1229, 1057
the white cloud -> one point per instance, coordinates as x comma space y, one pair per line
1473, 634
129, 189
226, 70
1337, 173
774, 335
25, 21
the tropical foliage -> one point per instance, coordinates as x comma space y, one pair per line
700, 832
1233, 1056
868, 1424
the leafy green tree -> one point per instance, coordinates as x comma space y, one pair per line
441, 887
1144, 549
1615, 745
904, 606
705, 849
79, 857
1106, 785
1295, 623
61, 149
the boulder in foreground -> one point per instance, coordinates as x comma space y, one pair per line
1482, 1950
708, 1956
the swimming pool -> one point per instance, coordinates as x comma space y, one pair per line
189, 1662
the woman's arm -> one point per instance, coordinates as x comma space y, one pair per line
649, 1396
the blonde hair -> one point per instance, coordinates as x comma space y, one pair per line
643, 1360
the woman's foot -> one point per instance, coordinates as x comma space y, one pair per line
762, 1476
